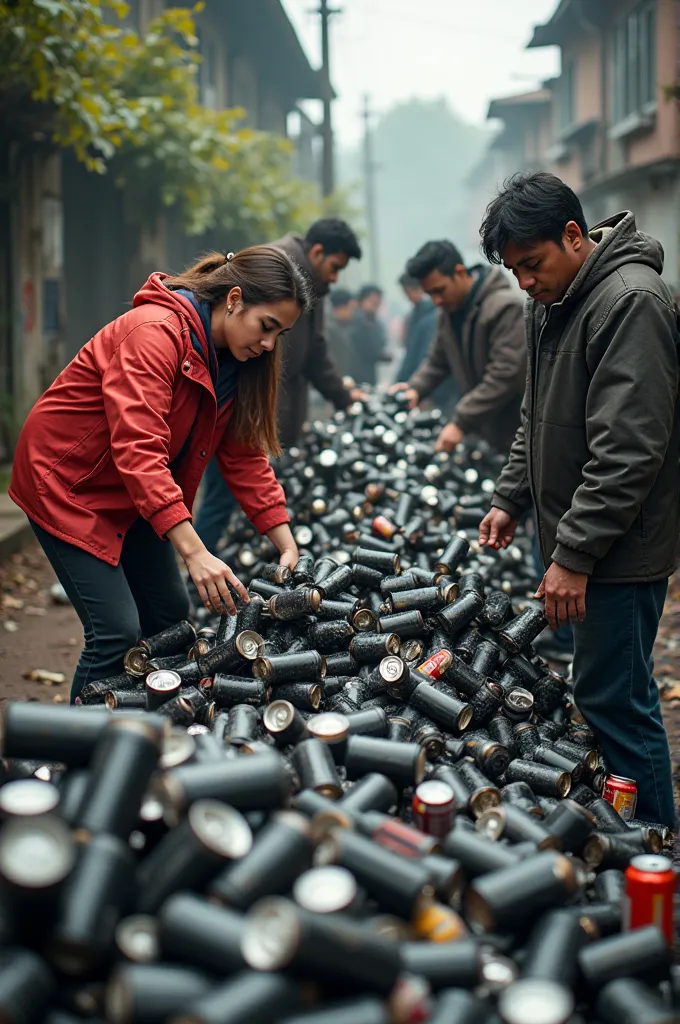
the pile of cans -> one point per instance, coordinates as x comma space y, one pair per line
363, 800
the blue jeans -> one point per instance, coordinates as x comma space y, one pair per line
217, 504
117, 605
616, 692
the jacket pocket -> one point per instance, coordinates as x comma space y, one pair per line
91, 474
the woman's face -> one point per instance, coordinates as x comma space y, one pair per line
248, 331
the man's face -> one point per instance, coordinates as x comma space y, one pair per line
371, 304
447, 291
413, 294
343, 314
327, 265
543, 268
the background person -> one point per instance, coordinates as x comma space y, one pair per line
109, 459
419, 330
369, 335
597, 454
343, 306
479, 342
305, 359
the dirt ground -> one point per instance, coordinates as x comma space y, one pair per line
36, 634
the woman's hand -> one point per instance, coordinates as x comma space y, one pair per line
212, 577
284, 542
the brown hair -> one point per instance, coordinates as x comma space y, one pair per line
264, 274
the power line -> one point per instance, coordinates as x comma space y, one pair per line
327, 167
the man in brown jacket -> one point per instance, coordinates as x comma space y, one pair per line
323, 253
479, 341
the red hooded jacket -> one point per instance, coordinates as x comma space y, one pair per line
96, 449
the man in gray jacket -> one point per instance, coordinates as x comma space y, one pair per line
479, 342
597, 453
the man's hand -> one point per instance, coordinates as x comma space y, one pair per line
449, 437
411, 393
565, 595
497, 529
400, 386
357, 395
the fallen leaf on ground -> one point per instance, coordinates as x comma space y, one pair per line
41, 675
12, 602
671, 692
10, 626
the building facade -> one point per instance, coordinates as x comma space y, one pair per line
609, 124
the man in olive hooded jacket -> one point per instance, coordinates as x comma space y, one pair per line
597, 453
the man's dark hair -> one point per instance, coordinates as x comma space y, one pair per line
340, 297
442, 256
368, 289
335, 236
409, 281
530, 208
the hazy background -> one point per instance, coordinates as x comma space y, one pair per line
430, 70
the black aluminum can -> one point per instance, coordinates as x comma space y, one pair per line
402, 763
486, 657
282, 850
607, 817
47, 733
303, 573
295, 604
547, 755
333, 635
336, 582
314, 764
123, 762
324, 568
100, 892
228, 691
332, 610
497, 609
500, 730
27, 987
174, 640
255, 783
305, 696
384, 561
198, 933
393, 584
272, 572
370, 648
446, 964
93, 693
428, 736
463, 677
265, 590
172, 661
549, 692
642, 953
249, 616
302, 666
161, 685
627, 999
571, 824
192, 854
152, 992
521, 794
342, 664
241, 648
483, 793
398, 884
485, 703
472, 583
452, 714
478, 854
490, 757
454, 553
544, 781
518, 704
554, 947
461, 792
368, 722
519, 826
519, 632
588, 757
130, 700
373, 792
527, 739
466, 644
513, 897
423, 599
324, 946
283, 722
365, 576
405, 624
243, 724
178, 710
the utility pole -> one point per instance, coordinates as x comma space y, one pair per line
369, 192
327, 175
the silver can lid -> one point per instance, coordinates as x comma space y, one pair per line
435, 793
163, 679
36, 852
220, 828
178, 747
271, 934
278, 716
652, 862
391, 668
329, 726
536, 1001
519, 699
27, 797
325, 890
137, 938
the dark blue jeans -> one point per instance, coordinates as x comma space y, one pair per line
117, 605
616, 692
217, 504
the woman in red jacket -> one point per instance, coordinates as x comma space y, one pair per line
110, 458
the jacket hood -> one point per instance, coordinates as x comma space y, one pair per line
493, 279
294, 246
155, 293
618, 242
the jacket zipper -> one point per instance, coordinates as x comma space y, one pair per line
534, 393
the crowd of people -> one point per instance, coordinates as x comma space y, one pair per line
207, 377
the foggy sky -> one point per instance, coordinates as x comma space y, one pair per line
467, 50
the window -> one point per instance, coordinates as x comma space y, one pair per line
634, 63
568, 95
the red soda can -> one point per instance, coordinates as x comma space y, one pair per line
436, 666
621, 793
434, 807
650, 891
394, 834
382, 527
